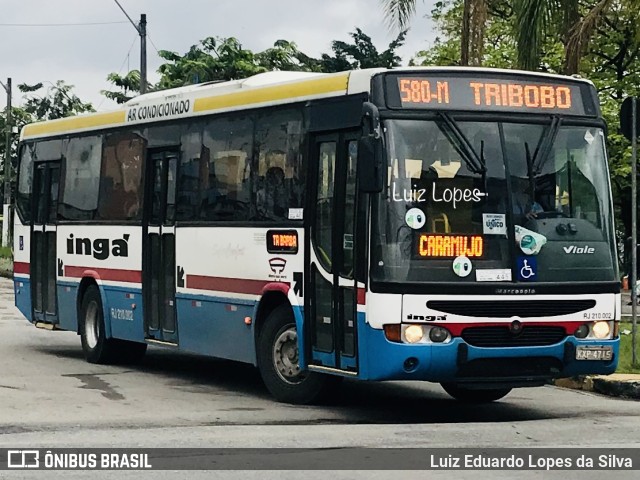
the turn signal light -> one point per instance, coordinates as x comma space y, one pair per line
392, 332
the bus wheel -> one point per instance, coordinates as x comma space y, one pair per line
97, 348
469, 395
278, 361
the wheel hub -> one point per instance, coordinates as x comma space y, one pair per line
285, 356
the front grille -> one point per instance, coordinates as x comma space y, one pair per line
540, 367
510, 308
530, 336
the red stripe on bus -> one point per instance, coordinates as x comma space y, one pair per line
112, 274
457, 328
222, 284
21, 267
361, 296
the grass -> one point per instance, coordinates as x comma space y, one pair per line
5, 252
624, 363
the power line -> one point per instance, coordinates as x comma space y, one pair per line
126, 60
58, 24
152, 44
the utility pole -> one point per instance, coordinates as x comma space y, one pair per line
6, 208
634, 230
141, 28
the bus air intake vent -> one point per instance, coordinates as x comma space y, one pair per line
511, 308
530, 336
494, 368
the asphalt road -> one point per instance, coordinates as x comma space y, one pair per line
50, 397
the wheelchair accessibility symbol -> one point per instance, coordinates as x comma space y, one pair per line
527, 268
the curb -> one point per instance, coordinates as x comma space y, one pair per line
616, 385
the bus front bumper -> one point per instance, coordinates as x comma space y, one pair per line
459, 362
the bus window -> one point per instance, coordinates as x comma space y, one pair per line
194, 175
81, 178
229, 195
279, 183
25, 181
121, 179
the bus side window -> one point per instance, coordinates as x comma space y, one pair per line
81, 178
278, 185
121, 178
230, 142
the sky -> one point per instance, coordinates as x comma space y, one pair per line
83, 55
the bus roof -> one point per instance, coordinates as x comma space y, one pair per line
265, 89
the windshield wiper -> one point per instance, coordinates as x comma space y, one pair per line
542, 152
475, 162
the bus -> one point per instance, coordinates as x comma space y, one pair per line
451, 225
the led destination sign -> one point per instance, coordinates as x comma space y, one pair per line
442, 92
282, 241
449, 246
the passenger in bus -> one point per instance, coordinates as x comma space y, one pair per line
272, 198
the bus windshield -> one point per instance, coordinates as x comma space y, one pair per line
476, 201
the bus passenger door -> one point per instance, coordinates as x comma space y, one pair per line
159, 256
332, 308
46, 178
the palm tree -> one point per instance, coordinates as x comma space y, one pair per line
474, 17
535, 19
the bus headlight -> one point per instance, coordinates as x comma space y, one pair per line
601, 330
413, 333
582, 331
438, 334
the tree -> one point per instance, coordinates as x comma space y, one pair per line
362, 53
225, 59
128, 84
58, 101
473, 22
210, 60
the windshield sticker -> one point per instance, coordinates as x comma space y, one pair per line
446, 169
415, 218
589, 137
462, 266
296, 213
493, 275
494, 224
529, 241
527, 268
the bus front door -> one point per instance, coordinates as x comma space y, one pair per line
159, 255
43, 242
332, 306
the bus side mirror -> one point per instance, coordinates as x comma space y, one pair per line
370, 165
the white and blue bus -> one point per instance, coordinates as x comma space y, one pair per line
441, 224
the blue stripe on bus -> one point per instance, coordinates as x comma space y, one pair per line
438, 363
211, 328
23, 295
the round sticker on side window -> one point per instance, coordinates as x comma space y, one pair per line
415, 218
462, 266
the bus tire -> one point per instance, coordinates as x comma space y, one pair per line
470, 395
96, 346
278, 361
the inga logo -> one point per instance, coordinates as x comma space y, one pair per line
100, 248
427, 318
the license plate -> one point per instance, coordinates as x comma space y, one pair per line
594, 353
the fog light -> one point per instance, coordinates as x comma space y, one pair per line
438, 334
410, 364
582, 331
413, 333
601, 329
